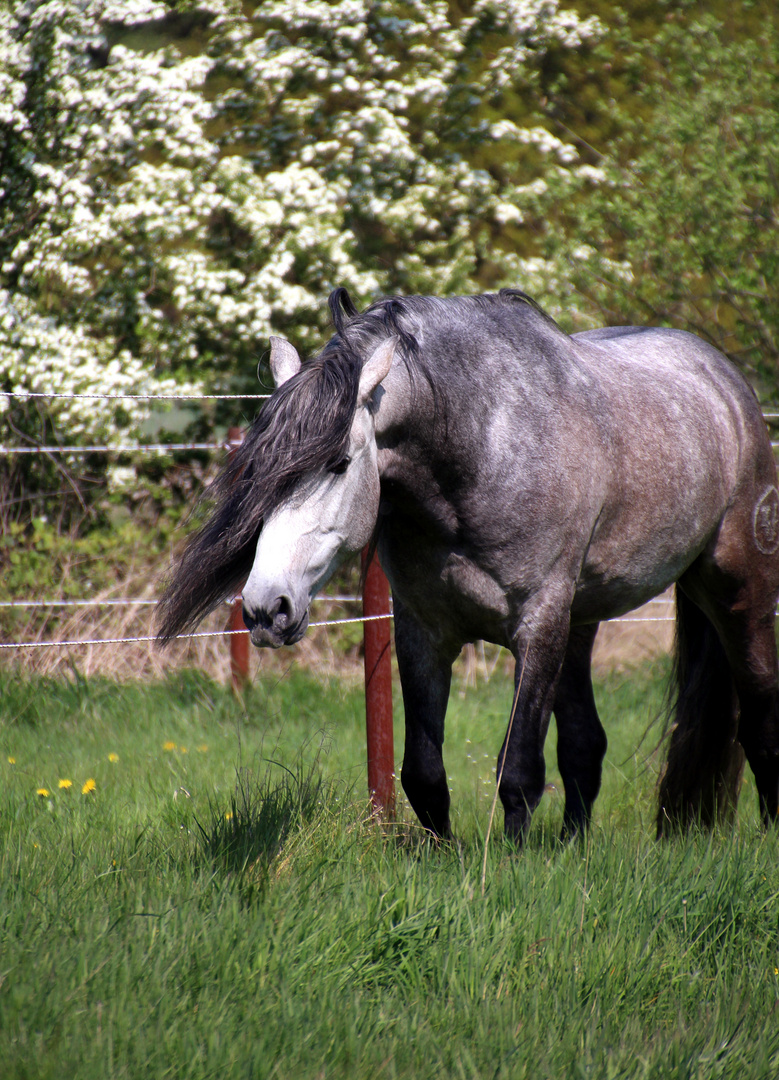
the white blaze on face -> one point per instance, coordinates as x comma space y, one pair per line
329, 518
306, 539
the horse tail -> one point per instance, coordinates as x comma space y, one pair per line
702, 775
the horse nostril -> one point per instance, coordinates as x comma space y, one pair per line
249, 621
270, 620
281, 612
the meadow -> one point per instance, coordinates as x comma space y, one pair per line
191, 885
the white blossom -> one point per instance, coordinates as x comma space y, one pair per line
170, 210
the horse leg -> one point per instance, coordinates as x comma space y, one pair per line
425, 678
750, 643
581, 740
539, 649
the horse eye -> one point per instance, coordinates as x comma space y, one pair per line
340, 467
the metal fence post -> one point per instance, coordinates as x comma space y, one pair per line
378, 689
239, 643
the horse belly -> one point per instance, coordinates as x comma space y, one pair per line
639, 551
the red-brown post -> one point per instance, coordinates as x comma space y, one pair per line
239, 642
378, 689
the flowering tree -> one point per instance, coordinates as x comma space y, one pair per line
179, 181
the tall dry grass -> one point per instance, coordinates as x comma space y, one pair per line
333, 650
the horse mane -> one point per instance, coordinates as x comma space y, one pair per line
304, 426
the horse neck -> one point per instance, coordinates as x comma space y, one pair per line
405, 406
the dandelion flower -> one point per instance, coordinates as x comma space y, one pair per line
169, 746
65, 783
12, 761
43, 792
228, 815
183, 749
89, 787
203, 748
113, 758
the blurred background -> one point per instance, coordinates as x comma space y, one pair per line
179, 181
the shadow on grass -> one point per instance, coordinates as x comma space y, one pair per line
265, 808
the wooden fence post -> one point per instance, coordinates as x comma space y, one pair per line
239, 642
378, 689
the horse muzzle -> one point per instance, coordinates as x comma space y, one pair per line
275, 625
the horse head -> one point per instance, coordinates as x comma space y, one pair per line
330, 515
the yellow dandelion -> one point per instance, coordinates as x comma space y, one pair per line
183, 749
65, 783
776, 971
89, 787
12, 761
228, 815
113, 758
43, 792
203, 748
169, 746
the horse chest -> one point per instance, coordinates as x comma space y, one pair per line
444, 588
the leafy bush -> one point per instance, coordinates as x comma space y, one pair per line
677, 225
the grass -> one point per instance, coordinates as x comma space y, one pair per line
222, 905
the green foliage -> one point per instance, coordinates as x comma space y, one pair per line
680, 227
41, 560
179, 186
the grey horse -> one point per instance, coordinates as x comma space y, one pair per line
521, 486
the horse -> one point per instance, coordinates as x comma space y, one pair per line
520, 485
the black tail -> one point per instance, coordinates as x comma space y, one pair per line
701, 780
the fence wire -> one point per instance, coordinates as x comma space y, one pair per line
134, 397
182, 447
153, 637
231, 633
128, 448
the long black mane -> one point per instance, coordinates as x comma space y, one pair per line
304, 426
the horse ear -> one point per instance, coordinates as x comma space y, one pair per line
376, 368
284, 360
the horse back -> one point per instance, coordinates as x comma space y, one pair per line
679, 387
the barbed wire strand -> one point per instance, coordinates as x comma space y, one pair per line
153, 637
129, 448
155, 448
26, 604
173, 397
130, 603
230, 633
136, 397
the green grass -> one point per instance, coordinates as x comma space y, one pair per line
224, 907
